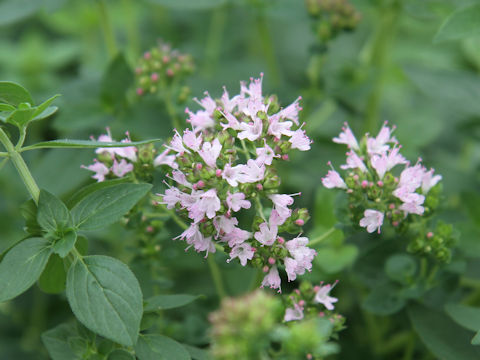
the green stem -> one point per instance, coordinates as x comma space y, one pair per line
378, 59
410, 348
245, 150
260, 208
267, 46
322, 237
21, 139
21, 167
107, 29
131, 27
214, 40
217, 277
2, 164
171, 111
257, 280
3, 154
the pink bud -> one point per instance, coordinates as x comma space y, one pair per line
200, 184
285, 157
429, 235
299, 222
139, 91
395, 223
194, 186
149, 229
138, 70
154, 77
275, 139
301, 303
309, 356
281, 240
218, 173
364, 184
265, 269
349, 191
199, 166
259, 187
380, 183
254, 248
370, 184
321, 314
166, 59
271, 260
316, 288
170, 72
355, 177
391, 206
147, 55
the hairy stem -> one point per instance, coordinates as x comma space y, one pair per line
217, 277
21, 167
267, 46
214, 40
322, 237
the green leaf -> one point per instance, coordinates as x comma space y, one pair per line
467, 317
120, 354
45, 113
87, 190
334, 259
83, 144
53, 278
400, 268
20, 117
197, 353
464, 22
29, 213
384, 300
58, 342
13, 94
164, 302
105, 296
116, 81
43, 106
159, 347
6, 107
52, 215
12, 11
105, 206
22, 266
65, 244
445, 339
189, 4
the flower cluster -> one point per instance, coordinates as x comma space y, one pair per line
378, 190
251, 327
332, 17
119, 162
223, 168
311, 301
160, 67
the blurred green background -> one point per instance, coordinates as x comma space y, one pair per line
388, 68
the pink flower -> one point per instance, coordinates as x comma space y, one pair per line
180, 178
333, 180
207, 103
99, 169
291, 111
128, 152
210, 152
121, 168
372, 220
228, 104
290, 268
237, 201
379, 145
429, 181
176, 144
165, 159
233, 175
346, 137
278, 128
265, 155
225, 224
272, 279
191, 140
293, 314
300, 140
322, 297
267, 234
281, 203
201, 120
302, 254
252, 172
236, 236
243, 251
250, 131
172, 197
385, 162
254, 89
232, 122
354, 162
411, 177
207, 203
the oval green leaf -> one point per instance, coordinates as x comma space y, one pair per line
83, 144
159, 347
105, 206
22, 266
53, 278
464, 22
105, 297
14, 94
164, 302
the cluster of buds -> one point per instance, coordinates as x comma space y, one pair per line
311, 301
437, 243
332, 17
119, 162
160, 67
225, 166
251, 327
377, 189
